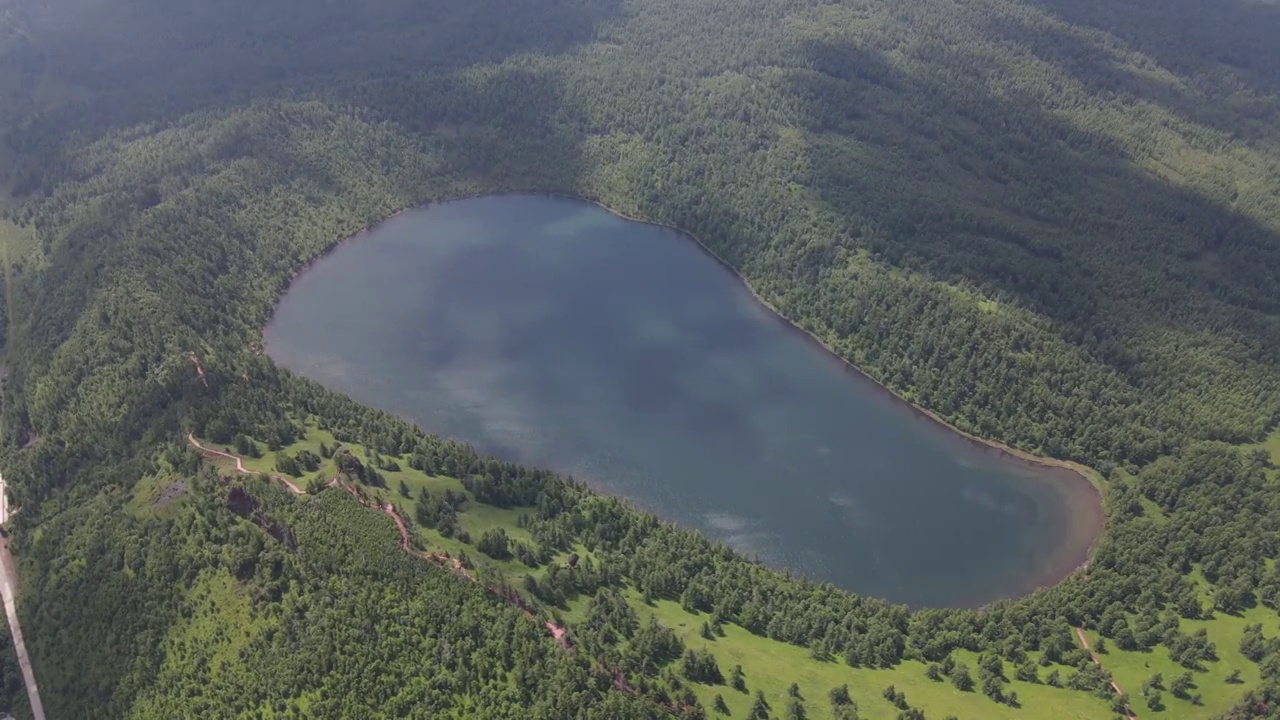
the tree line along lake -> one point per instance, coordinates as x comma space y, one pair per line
549, 332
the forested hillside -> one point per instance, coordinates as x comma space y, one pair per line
1054, 224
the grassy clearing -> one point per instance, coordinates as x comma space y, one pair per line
1149, 508
1132, 669
222, 622
772, 666
19, 247
475, 518
1271, 444
155, 496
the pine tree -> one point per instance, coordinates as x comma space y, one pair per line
759, 709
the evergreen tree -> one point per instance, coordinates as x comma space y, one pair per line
961, 679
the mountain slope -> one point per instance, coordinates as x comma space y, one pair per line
1052, 225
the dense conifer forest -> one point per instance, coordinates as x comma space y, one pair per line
1054, 223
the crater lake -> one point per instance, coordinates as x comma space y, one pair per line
549, 332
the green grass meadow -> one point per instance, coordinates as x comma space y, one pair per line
772, 666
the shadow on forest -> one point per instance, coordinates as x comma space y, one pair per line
1191, 37
249, 43
146, 61
934, 173
495, 128
1006, 196
1239, 97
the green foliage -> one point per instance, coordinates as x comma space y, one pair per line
896, 697
737, 680
961, 678
1054, 225
495, 544
237, 647
700, 666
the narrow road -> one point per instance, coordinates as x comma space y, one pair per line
9, 571
9, 588
556, 631
1084, 642
395, 517
240, 468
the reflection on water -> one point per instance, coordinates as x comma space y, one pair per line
552, 333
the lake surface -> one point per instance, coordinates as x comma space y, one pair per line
550, 332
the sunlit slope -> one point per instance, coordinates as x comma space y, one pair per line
1054, 224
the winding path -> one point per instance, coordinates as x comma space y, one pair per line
557, 632
240, 468
1084, 642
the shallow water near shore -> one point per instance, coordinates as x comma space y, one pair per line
549, 332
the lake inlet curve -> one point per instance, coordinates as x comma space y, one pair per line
549, 332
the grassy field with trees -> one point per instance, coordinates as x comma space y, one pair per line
767, 664
1056, 225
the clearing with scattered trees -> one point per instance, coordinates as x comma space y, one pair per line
1054, 224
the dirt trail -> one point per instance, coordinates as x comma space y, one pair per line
395, 516
9, 588
240, 468
451, 563
1084, 642
387, 508
199, 368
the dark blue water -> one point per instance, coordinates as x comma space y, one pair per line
549, 332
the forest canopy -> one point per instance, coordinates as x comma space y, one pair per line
1054, 224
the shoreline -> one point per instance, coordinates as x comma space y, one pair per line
1084, 471
328, 250
1059, 471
